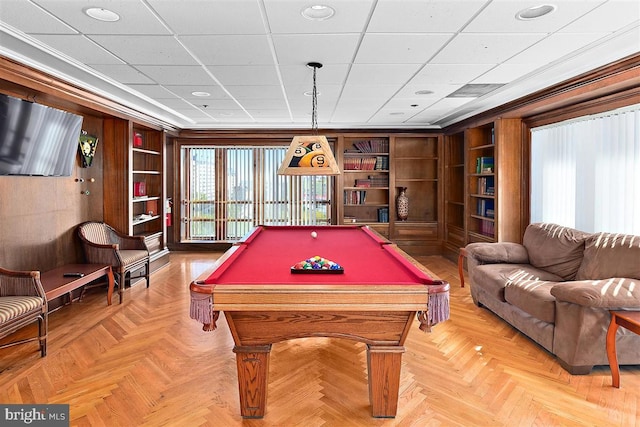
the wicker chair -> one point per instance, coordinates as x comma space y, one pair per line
22, 302
102, 244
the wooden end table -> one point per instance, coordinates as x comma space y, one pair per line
56, 284
461, 256
629, 320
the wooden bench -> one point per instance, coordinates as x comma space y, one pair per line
56, 284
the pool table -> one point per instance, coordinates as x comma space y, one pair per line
374, 299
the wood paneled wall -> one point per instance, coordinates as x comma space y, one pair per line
38, 215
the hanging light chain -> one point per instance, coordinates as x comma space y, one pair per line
314, 104
314, 97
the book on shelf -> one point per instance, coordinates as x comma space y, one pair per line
486, 208
486, 186
376, 145
366, 163
355, 197
487, 228
484, 165
379, 180
383, 214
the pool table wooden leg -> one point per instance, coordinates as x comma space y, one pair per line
253, 368
384, 363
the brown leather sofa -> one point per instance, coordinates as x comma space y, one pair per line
558, 286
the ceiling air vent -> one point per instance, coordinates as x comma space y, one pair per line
474, 90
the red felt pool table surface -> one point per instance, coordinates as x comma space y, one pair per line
267, 254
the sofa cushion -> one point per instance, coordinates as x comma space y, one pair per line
609, 255
533, 297
614, 293
497, 252
494, 277
555, 248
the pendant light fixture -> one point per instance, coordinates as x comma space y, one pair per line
310, 154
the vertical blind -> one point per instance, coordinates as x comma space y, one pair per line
585, 173
227, 190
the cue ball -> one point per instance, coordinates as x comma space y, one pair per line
314, 234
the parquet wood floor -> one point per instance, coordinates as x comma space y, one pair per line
146, 363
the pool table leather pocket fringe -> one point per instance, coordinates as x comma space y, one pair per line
437, 311
201, 309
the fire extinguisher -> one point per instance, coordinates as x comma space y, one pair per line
168, 205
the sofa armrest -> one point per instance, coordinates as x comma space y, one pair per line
497, 253
607, 293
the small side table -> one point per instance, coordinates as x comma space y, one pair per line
629, 320
461, 256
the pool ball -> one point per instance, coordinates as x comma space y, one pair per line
314, 234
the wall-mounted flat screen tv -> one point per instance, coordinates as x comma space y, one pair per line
36, 139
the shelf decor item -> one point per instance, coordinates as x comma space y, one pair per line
402, 204
310, 154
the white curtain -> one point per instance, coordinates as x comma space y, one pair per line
585, 173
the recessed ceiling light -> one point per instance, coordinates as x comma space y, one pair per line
535, 12
318, 12
310, 93
200, 94
102, 14
424, 92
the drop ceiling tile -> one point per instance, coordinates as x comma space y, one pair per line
505, 73
484, 48
220, 104
153, 91
263, 104
399, 48
443, 16
608, 17
211, 17
247, 74
327, 49
122, 73
439, 109
369, 92
255, 92
78, 47
29, 18
329, 74
268, 114
499, 16
146, 50
135, 17
230, 49
438, 90
176, 103
368, 74
327, 95
285, 17
177, 74
554, 47
185, 91
449, 73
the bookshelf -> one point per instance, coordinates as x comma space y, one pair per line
494, 181
365, 181
134, 191
416, 166
454, 201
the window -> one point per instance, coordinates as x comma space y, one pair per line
228, 190
585, 173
